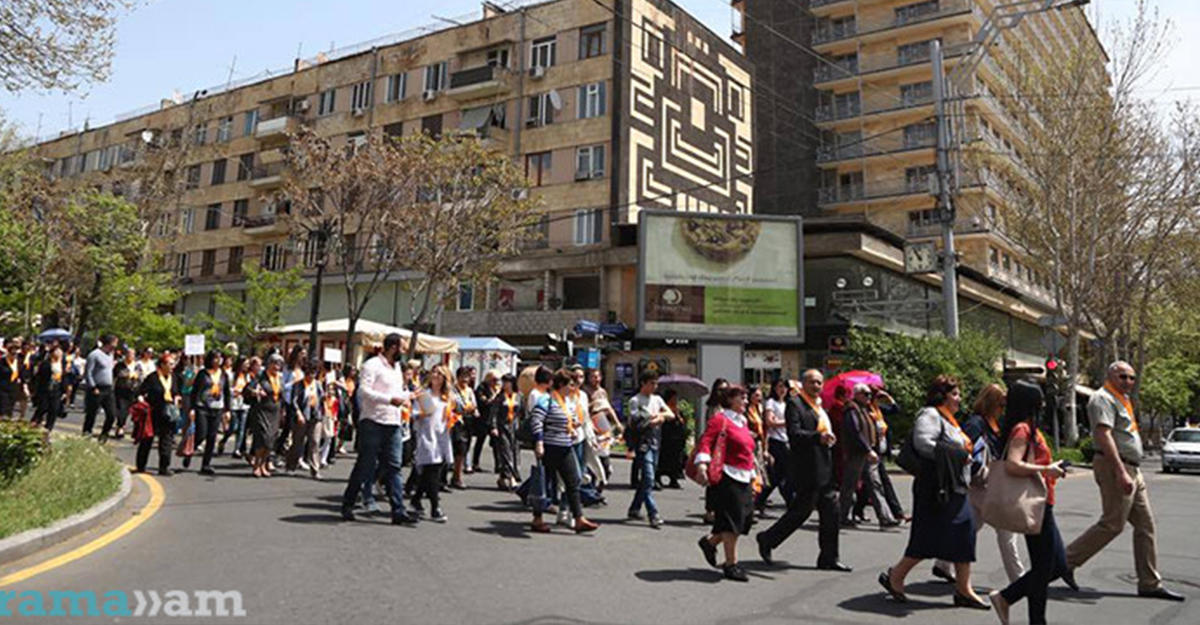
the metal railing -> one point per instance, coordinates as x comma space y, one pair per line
473, 76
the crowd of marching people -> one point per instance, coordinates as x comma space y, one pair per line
988, 464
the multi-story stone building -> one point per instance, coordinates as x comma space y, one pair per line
609, 108
861, 112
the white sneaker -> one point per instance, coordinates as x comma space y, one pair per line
304, 465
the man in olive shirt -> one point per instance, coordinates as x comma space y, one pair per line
1123, 496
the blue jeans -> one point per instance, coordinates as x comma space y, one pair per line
647, 461
378, 444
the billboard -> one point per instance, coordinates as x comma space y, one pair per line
718, 277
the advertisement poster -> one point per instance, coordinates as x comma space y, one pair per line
720, 277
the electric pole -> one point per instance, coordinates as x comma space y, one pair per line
945, 207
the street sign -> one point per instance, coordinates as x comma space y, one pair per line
613, 329
1053, 341
587, 328
333, 355
193, 345
1052, 321
591, 358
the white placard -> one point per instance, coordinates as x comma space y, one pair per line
193, 345
333, 355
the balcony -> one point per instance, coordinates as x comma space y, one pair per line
886, 144
831, 32
271, 157
267, 176
477, 82
268, 225
844, 110
277, 128
512, 322
836, 70
839, 69
821, 3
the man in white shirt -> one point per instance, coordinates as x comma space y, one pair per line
382, 394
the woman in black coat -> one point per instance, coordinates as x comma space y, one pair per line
49, 388
161, 391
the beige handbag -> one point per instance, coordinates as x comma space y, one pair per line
1013, 503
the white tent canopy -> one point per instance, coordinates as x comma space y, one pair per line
368, 332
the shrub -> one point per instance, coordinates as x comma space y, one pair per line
1087, 447
21, 447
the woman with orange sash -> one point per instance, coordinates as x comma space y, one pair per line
264, 393
434, 417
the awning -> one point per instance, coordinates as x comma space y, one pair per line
483, 344
476, 118
370, 332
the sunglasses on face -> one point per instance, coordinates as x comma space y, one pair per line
1127, 376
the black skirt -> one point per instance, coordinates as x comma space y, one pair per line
945, 531
733, 504
264, 425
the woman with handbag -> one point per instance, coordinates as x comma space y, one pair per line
943, 525
724, 462
1028, 456
161, 391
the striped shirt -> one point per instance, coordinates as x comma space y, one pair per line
549, 422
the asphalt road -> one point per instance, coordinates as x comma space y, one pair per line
281, 543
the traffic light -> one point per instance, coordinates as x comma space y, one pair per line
1056, 376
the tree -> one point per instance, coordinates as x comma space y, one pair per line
353, 217
471, 212
56, 44
260, 305
104, 239
137, 306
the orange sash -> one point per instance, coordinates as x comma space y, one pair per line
880, 423
310, 393
16, 369
562, 403
166, 384
949, 416
822, 418
1133, 424
276, 386
214, 380
56, 371
510, 400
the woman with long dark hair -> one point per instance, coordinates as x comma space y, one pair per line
713, 404
264, 393
1029, 456
211, 398
239, 376
943, 525
506, 414
777, 446
732, 497
49, 387
435, 416
160, 389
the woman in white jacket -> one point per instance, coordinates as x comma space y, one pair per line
433, 418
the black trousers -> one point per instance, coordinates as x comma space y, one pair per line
561, 461
822, 498
48, 408
208, 425
7, 401
96, 399
125, 399
164, 432
430, 486
480, 433
1048, 560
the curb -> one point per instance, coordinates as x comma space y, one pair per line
20, 545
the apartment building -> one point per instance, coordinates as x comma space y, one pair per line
608, 107
865, 120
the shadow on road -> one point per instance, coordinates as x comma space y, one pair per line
507, 529
313, 519
704, 576
878, 603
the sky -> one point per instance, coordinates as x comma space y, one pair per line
164, 46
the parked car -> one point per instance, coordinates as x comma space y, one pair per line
1181, 450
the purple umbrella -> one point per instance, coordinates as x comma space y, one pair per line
685, 385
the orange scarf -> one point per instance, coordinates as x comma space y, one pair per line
754, 416
276, 385
240, 382
451, 416
880, 423
949, 416
166, 384
16, 369
580, 412
1121, 397
822, 423
214, 379
510, 400
467, 407
562, 403
56, 371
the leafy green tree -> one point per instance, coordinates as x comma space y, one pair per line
243, 315
136, 307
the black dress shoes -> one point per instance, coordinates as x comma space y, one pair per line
1162, 593
834, 566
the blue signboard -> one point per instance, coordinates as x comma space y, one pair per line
587, 328
591, 358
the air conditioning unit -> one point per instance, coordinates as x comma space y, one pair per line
302, 105
358, 112
520, 194
582, 174
429, 95
533, 122
536, 72
597, 173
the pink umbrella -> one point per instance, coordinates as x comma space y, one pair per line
847, 380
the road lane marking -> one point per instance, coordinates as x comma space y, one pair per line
141, 516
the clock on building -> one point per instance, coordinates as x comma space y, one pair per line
920, 258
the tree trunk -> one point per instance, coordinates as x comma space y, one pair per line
348, 352
418, 319
85, 309
314, 316
1071, 423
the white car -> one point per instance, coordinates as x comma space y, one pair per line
1181, 450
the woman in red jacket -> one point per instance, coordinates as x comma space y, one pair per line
732, 487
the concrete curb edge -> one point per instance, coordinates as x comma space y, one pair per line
31, 541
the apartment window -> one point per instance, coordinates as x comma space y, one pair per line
736, 110
91, 160
913, 52
360, 96
181, 265
432, 125
993, 215
236, 254
435, 77
923, 219
212, 217
591, 41
589, 223
913, 12
394, 130
846, 104
920, 135
274, 256
249, 122
589, 162
218, 172
581, 292
311, 251
1006, 262
537, 168
326, 102
497, 57
916, 93
466, 297
396, 86
241, 209
993, 258
187, 220
541, 110
208, 263
162, 226
105, 159
591, 100
245, 167
224, 129
193, 177
356, 140
200, 134
916, 179
543, 52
